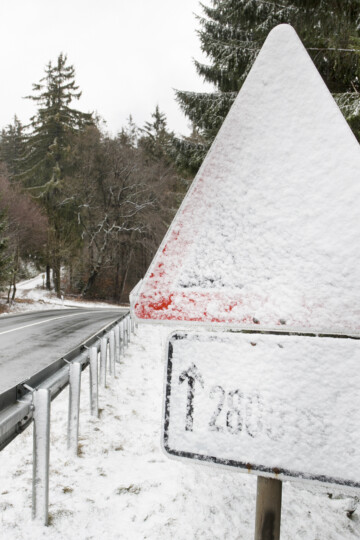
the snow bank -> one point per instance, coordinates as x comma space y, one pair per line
123, 487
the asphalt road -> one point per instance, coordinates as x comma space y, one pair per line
31, 341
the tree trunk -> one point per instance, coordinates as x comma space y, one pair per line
96, 267
14, 288
48, 282
90, 282
13, 278
124, 278
56, 276
117, 282
9, 292
71, 277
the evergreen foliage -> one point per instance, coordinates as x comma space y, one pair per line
12, 147
188, 154
45, 167
156, 139
233, 31
79, 199
129, 134
51, 129
207, 111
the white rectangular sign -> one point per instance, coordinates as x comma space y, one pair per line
285, 406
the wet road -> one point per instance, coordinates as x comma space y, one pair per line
31, 341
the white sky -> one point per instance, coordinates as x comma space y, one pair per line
129, 55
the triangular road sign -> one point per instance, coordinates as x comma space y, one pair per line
268, 235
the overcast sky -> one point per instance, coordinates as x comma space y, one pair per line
128, 55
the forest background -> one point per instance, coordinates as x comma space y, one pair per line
89, 210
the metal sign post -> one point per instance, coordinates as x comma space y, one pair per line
268, 509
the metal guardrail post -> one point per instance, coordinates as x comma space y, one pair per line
74, 406
103, 358
126, 337
40, 487
122, 337
94, 404
128, 326
133, 296
117, 343
112, 352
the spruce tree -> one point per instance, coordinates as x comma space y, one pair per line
45, 167
129, 134
52, 127
12, 147
232, 33
156, 139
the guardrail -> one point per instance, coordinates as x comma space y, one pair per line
30, 401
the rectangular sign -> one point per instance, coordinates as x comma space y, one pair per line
284, 406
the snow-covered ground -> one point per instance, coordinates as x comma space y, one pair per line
123, 487
31, 294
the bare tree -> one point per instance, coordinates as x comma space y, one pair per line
26, 228
123, 209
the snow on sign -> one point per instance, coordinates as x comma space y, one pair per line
274, 405
269, 233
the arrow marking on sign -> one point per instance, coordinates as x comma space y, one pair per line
192, 375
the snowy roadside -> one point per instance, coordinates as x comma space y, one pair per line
30, 296
123, 487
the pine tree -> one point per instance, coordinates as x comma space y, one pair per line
233, 31
12, 147
188, 153
52, 127
45, 167
129, 134
156, 139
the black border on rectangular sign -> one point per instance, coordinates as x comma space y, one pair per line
257, 469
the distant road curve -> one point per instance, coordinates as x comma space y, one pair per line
31, 341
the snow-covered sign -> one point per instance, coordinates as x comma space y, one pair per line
269, 233
274, 405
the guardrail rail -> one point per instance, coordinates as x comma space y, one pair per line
30, 401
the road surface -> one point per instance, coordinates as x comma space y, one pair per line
31, 341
